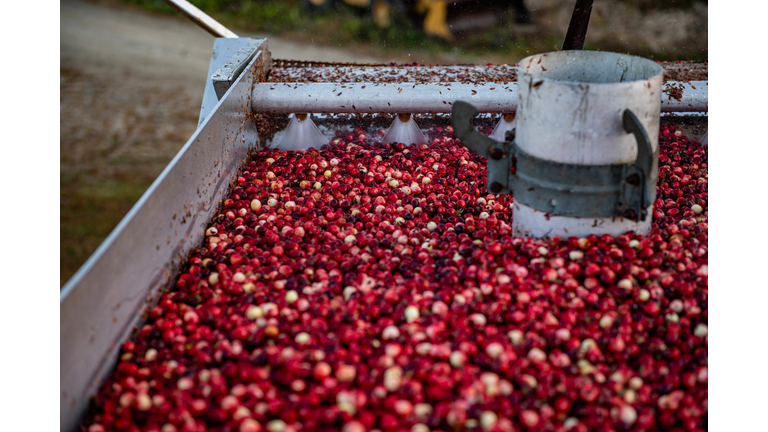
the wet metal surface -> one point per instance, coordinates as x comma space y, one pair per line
410, 97
226, 75
288, 98
223, 50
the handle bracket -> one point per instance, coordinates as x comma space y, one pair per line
565, 189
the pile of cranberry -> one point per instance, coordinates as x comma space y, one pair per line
379, 287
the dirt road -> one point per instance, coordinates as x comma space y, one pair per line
131, 86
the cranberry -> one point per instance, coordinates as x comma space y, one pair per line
366, 286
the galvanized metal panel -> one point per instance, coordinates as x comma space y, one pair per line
223, 50
228, 73
104, 300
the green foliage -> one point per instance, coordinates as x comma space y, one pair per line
646, 5
89, 212
152, 5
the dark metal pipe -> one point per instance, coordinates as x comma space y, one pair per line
577, 29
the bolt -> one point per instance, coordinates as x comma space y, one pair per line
496, 187
633, 179
630, 214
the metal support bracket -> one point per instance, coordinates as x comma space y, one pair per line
639, 179
561, 188
226, 75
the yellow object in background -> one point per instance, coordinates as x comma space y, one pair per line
382, 13
434, 22
432, 13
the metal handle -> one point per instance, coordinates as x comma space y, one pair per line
462, 114
565, 189
637, 190
201, 18
498, 154
644, 150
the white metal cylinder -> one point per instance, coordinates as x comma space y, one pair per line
570, 111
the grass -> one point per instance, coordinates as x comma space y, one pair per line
117, 135
89, 212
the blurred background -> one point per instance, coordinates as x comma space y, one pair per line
133, 72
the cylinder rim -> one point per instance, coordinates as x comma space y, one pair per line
522, 73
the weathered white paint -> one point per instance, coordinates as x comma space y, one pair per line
570, 110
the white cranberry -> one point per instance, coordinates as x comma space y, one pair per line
253, 312
644, 295
392, 378
494, 350
276, 426
250, 425
390, 332
625, 284
700, 330
150, 355
516, 336
422, 410
185, 383
606, 321
411, 313
488, 420
303, 338
478, 319
536, 355
627, 415
143, 402
291, 296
